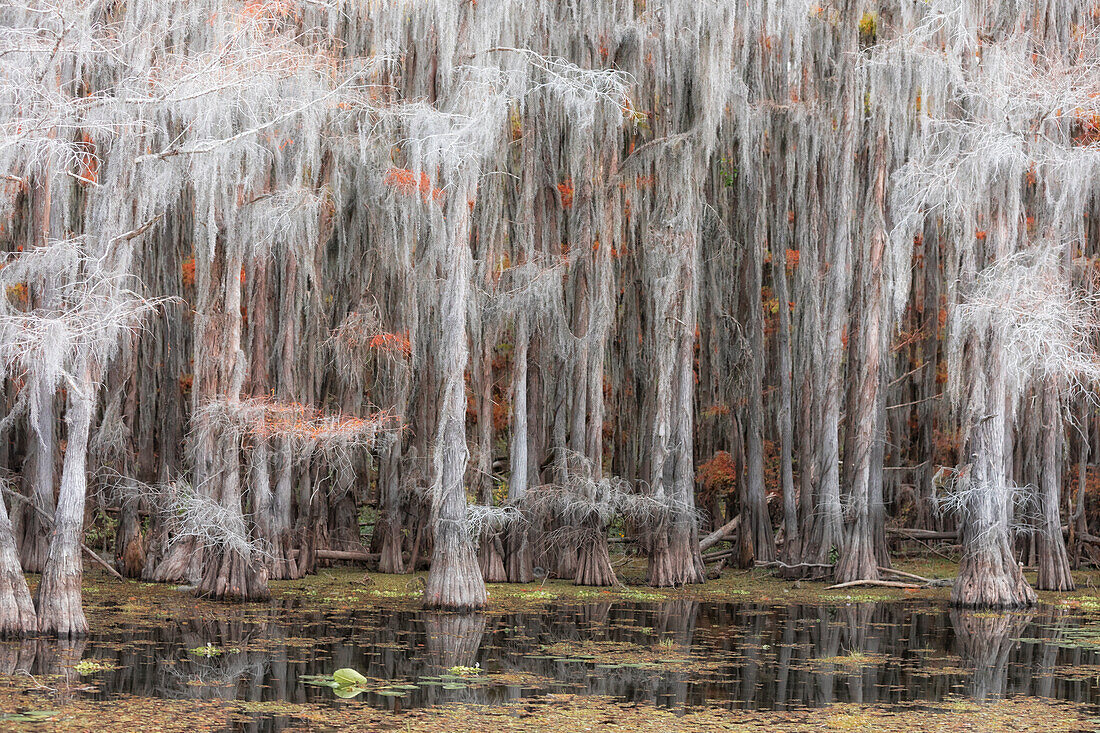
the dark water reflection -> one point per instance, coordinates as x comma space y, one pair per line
677, 654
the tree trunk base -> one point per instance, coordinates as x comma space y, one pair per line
1054, 569
675, 560
229, 577
566, 565
178, 566
454, 580
857, 560
17, 616
991, 581
594, 564
390, 560
34, 547
288, 561
520, 565
131, 558
60, 612
490, 560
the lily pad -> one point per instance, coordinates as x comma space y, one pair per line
348, 676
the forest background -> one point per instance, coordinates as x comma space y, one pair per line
493, 278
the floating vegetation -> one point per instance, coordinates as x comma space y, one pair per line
91, 666
645, 652
462, 671
29, 716
206, 650
852, 659
345, 683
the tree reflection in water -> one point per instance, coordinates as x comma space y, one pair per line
676, 654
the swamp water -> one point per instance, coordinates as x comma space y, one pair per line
676, 654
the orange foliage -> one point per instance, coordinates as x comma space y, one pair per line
501, 416
718, 475
717, 410
271, 10
980, 234
187, 271
406, 182
393, 343
907, 338
17, 294
302, 422
792, 258
1086, 128
565, 188
89, 161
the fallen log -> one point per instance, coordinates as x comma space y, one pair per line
718, 555
903, 574
346, 555
876, 583
719, 534
921, 534
796, 566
